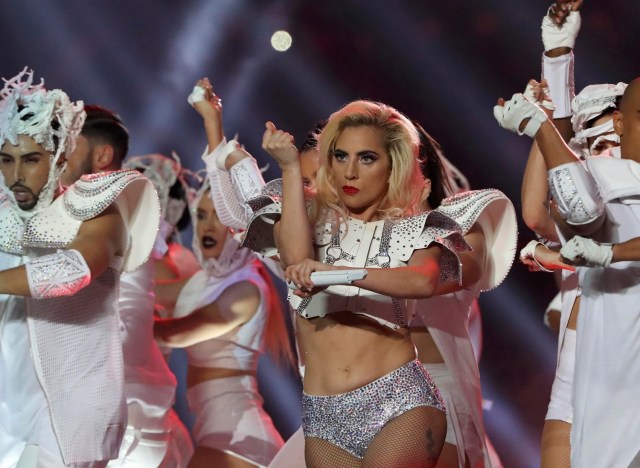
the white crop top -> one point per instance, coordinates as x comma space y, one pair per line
239, 348
380, 244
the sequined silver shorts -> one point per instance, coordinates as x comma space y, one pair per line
351, 420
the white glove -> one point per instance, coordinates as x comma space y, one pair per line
198, 94
586, 252
542, 99
529, 252
554, 36
517, 109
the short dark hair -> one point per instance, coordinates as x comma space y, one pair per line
105, 126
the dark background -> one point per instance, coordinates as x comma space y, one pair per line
442, 63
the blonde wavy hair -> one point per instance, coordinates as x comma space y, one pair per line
401, 142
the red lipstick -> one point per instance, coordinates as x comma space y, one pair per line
349, 190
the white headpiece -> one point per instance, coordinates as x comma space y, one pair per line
232, 256
163, 172
49, 117
592, 101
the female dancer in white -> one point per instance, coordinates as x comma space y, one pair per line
225, 315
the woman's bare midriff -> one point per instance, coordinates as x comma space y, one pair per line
197, 375
344, 351
428, 351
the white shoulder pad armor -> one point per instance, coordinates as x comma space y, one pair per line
420, 231
12, 225
135, 197
53, 228
495, 214
616, 178
137, 201
575, 192
267, 209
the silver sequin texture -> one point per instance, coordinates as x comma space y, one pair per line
466, 208
11, 231
351, 420
565, 192
244, 182
93, 193
59, 274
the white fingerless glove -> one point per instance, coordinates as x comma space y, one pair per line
586, 252
197, 95
544, 100
529, 252
517, 109
554, 36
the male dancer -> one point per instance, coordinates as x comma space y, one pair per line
599, 199
154, 435
61, 373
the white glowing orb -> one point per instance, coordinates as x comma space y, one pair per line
281, 41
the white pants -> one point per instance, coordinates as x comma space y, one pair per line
154, 441
560, 407
459, 421
292, 454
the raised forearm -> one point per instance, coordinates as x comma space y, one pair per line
293, 232
554, 150
213, 130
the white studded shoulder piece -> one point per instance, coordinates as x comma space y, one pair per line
494, 213
12, 226
465, 207
134, 195
52, 228
419, 231
57, 226
93, 193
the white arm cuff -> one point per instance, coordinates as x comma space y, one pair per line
63, 273
247, 179
576, 194
231, 210
558, 71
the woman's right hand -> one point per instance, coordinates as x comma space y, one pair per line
205, 101
300, 275
280, 145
